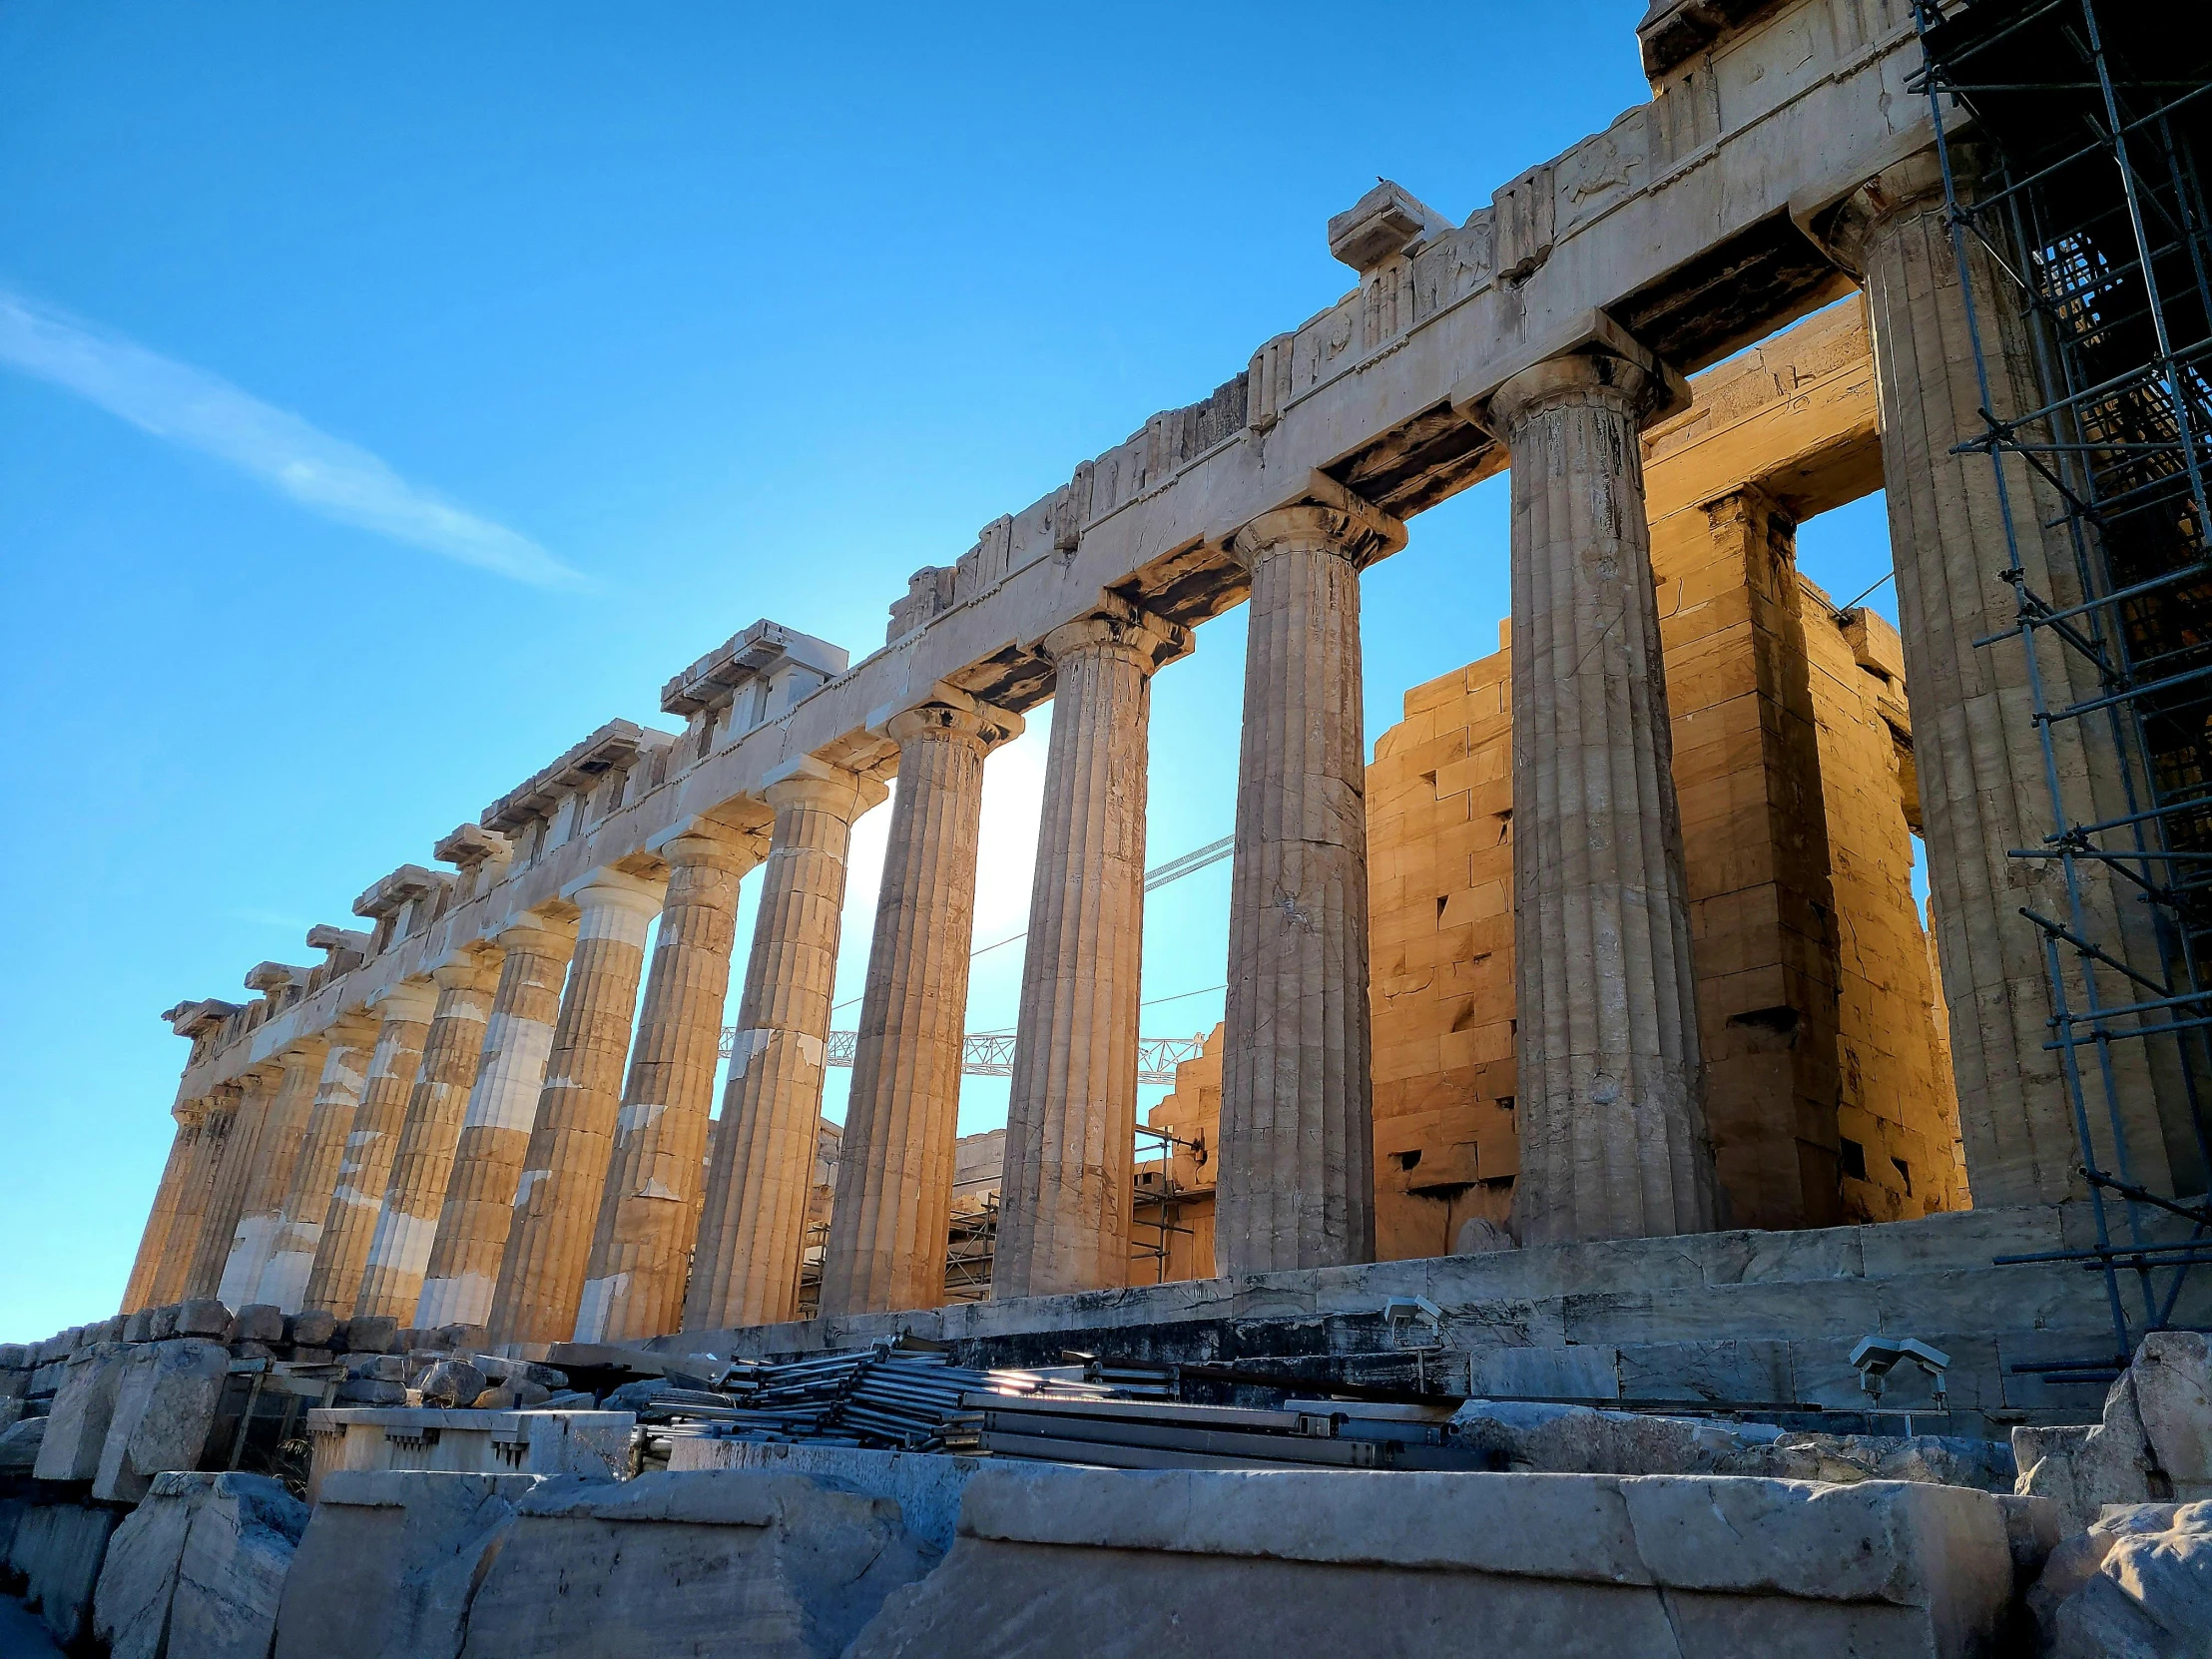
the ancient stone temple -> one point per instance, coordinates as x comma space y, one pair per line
1585, 1043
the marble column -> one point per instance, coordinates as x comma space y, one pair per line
403, 1015
1613, 1141
495, 1134
564, 1167
215, 1111
895, 1175
262, 1213
315, 1171
649, 1209
399, 1249
1072, 1117
229, 1179
161, 1219
1975, 745
752, 1228
1296, 1135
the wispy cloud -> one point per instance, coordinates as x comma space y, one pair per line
203, 411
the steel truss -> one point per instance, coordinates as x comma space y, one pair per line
2070, 134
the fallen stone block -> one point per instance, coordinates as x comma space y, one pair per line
451, 1383
389, 1562
465, 1441
926, 1485
203, 1317
138, 1581
703, 1563
256, 1321
160, 1323
2153, 1443
14, 1384
368, 1391
311, 1328
137, 1326
165, 1405
1241, 1564
2137, 1582
77, 1428
19, 1445
14, 1356
57, 1549
372, 1334
230, 1575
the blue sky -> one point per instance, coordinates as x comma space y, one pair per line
390, 396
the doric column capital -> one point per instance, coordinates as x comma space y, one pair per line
1153, 641
1332, 519
705, 845
810, 782
308, 1051
190, 1113
1575, 376
353, 1028
408, 999
540, 933
977, 722
1913, 184
472, 968
617, 890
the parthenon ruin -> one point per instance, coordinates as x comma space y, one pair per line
445, 1122
1587, 1044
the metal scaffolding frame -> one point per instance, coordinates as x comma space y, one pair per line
2086, 120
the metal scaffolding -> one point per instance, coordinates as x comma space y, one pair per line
2071, 133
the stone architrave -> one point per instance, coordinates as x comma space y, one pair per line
564, 1167
182, 1244
894, 1174
1071, 1119
282, 1128
1297, 1139
649, 1208
315, 1172
231, 1177
752, 1228
183, 1147
452, 1054
341, 1254
1975, 743
1613, 1142
488, 1158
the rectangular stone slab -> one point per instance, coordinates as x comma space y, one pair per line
1232, 1564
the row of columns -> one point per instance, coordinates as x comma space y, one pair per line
485, 1161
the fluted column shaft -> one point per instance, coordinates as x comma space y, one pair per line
752, 1228
315, 1170
364, 1167
230, 1176
260, 1214
182, 1246
1071, 1116
564, 1167
1613, 1142
162, 1217
399, 1250
495, 1132
1297, 1187
895, 1173
649, 1209
1983, 786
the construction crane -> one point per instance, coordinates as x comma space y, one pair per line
992, 1055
